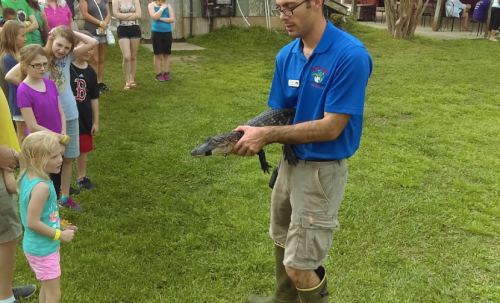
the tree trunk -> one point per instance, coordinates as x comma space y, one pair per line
403, 18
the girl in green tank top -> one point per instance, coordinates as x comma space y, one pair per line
41, 155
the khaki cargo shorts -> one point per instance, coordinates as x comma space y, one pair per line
10, 225
304, 205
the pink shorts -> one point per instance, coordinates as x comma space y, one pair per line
45, 268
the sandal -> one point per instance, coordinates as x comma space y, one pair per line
127, 87
133, 84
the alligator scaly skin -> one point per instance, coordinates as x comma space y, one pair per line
224, 143
273, 117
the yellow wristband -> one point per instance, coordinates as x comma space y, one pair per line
58, 234
100, 24
64, 139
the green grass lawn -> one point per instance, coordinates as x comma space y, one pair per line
420, 221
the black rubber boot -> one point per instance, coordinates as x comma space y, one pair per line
285, 289
318, 294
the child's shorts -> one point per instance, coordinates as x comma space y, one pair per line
45, 268
86, 143
73, 147
162, 43
18, 118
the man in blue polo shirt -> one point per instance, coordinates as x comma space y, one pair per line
323, 75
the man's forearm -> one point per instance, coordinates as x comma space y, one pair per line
326, 129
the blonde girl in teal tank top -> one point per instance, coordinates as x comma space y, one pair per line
41, 155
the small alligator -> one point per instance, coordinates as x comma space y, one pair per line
224, 143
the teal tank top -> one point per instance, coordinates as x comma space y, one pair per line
33, 243
160, 26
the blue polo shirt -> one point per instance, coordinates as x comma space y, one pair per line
333, 80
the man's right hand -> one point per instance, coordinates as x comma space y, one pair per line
67, 235
8, 159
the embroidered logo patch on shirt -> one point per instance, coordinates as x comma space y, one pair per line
318, 74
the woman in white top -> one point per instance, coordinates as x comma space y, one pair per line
456, 9
494, 20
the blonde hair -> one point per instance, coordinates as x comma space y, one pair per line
8, 37
160, 2
35, 153
60, 3
59, 31
27, 54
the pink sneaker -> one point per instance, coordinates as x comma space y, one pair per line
160, 78
71, 204
166, 76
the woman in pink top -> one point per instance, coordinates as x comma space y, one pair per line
58, 13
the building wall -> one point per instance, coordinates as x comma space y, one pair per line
253, 11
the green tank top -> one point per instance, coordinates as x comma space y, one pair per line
33, 243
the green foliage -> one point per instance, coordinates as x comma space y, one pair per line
420, 221
343, 22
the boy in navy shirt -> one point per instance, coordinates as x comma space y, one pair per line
86, 91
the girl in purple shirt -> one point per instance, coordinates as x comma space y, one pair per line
38, 97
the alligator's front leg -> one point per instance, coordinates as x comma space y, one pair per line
263, 163
289, 153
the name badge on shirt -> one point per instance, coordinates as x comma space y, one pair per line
294, 83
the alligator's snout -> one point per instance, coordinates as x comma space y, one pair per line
217, 145
203, 150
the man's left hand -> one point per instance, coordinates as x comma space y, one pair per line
252, 141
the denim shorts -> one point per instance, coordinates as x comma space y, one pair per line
18, 118
73, 147
101, 39
304, 207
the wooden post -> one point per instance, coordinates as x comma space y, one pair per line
354, 8
437, 15
145, 21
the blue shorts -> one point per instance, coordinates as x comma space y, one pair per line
73, 147
101, 39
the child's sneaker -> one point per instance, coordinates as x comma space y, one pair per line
73, 191
160, 77
85, 183
71, 204
65, 224
103, 87
23, 291
166, 76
